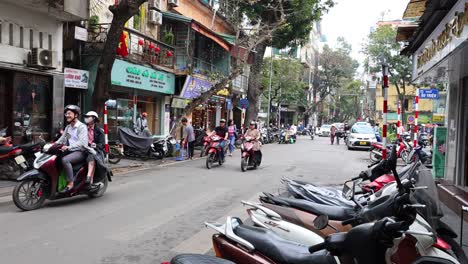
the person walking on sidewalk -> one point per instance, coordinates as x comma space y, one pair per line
332, 134
189, 137
232, 131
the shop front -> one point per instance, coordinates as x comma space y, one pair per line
139, 89
26, 111
440, 61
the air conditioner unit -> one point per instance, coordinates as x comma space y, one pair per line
173, 2
155, 17
42, 58
154, 4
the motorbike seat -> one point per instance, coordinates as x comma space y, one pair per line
281, 250
5, 150
339, 213
198, 259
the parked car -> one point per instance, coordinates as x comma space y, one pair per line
361, 137
325, 131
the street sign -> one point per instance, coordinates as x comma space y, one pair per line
428, 94
411, 119
244, 103
228, 104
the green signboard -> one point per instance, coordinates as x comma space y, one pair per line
439, 148
140, 77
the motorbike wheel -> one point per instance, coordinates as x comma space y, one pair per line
404, 155
114, 156
373, 157
209, 161
101, 190
202, 151
244, 164
456, 248
33, 192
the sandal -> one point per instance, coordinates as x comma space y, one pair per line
66, 190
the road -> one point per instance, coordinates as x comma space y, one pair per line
148, 216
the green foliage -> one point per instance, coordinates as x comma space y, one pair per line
382, 46
169, 37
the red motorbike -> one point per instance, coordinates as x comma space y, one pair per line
249, 158
45, 181
213, 151
375, 153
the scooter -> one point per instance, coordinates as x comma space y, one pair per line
250, 159
213, 152
375, 153
418, 153
206, 143
45, 181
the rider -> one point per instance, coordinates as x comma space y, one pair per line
74, 140
332, 133
95, 142
253, 133
222, 131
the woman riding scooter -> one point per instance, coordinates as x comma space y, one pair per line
75, 140
253, 132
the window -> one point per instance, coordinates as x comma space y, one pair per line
11, 34
41, 35
50, 42
21, 38
406, 105
31, 39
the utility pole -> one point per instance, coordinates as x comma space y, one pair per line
269, 87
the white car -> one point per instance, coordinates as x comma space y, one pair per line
325, 131
361, 137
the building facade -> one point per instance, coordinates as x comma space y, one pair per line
31, 64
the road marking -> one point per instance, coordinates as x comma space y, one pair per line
201, 243
153, 221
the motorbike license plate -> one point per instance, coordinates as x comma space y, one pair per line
362, 143
20, 159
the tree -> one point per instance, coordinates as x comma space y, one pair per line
383, 47
286, 84
337, 69
349, 101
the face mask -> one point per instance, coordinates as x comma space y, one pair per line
88, 120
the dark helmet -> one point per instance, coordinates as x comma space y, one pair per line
74, 108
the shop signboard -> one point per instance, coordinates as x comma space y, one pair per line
439, 148
228, 104
179, 103
140, 77
194, 87
429, 94
75, 78
438, 118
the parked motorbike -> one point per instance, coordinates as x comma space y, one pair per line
265, 136
165, 144
213, 151
43, 182
141, 147
116, 152
418, 153
250, 159
404, 148
424, 139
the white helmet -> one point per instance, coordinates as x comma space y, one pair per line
93, 114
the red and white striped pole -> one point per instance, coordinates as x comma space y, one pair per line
385, 108
106, 132
399, 120
416, 114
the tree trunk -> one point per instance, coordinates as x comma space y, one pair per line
122, 13
255, 78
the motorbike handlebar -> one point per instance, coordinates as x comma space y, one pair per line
373, 164
317, 247
349, 221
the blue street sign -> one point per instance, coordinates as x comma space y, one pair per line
228, 104
428, 94
244, 103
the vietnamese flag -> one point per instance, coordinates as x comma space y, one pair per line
122, 50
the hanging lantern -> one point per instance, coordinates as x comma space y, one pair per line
169, 53
151, 46
141, 42
157, 49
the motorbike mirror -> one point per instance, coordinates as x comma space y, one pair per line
348, 189
320, 222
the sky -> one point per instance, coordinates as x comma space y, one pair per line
353, 20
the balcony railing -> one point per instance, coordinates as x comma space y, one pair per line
141, 48
202, 66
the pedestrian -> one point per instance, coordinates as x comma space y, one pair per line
141, 125
189, 138
377, 132
332, 133
232, 131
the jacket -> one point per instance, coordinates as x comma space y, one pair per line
99, 139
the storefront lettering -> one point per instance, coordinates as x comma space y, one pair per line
453, 28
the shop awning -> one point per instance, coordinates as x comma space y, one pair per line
229, 38
177, 17
415, 9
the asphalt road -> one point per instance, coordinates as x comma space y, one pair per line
148, 216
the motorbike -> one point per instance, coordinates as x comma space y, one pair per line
286, 138
213, 151
418, 153
142, 147
265, 136
45, 180
424, 139
165, 144
249, 157
206, 143
115, 152
404, 148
